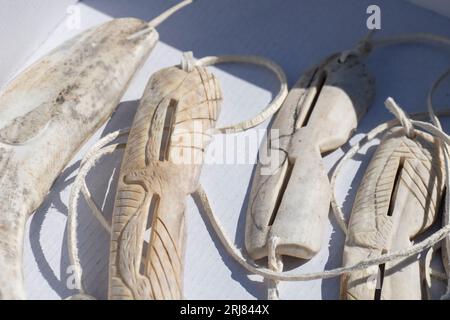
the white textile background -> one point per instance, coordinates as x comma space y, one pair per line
296, 34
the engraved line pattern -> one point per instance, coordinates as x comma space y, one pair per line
376, 188
198, 95
371, 228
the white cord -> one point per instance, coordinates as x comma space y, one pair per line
100, 148
408, 124
271, 108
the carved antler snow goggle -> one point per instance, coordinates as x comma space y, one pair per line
274, 259
161, 166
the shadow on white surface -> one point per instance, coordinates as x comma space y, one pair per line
58, 284
297, 35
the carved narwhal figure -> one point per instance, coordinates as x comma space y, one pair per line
290, 201
160, 168
398, 199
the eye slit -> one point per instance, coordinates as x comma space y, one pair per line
380, 279
169, 121
397, 179
152, 211
286, 177
311, 97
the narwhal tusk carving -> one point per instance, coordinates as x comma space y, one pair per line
160, 168
49, 111
291, 201
398, 199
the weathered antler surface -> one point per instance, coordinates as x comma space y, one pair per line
291, 201
398, 199
160, 168
46, 114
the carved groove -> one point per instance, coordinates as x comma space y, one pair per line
395, 202
286, 177
315, 90
165, 121
168, 129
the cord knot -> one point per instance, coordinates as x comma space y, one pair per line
188, 61
405, 121
363, 48
275, 264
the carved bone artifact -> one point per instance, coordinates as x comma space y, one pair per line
160, 168
398, 199
49, 111
164, 154
290, 201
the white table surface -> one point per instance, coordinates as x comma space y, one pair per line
296, 34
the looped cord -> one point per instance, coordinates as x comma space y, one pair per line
337, 212
427, 272
188, 62
362, 49
393, 107
434, 87
275, 263
169, 12
446, 214
248, 264
271, 108
151, 25
412, 38
72, 216
101, 149
408, 125
91, 158
365, 139
366, 45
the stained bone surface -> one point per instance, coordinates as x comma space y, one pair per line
47, 113
291, 200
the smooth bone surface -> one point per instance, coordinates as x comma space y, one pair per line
47, 113
397, 200
291, 200
160, 168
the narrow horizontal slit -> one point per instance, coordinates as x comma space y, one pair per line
167, 130
287, 176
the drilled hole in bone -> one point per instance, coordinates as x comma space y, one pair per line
167, 131
312, 96
397, 180
286, 177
